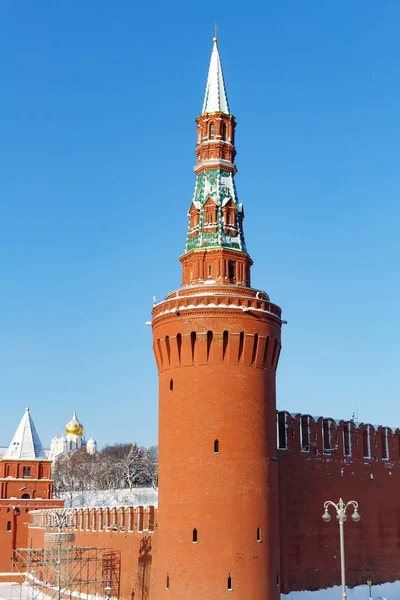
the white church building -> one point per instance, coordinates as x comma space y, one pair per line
73, 440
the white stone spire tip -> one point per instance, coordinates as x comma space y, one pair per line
215, 99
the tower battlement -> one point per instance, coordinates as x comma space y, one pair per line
217, 347
328, 438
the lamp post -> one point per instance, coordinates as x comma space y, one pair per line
369, 584
341, 516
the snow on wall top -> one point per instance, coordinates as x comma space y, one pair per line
121, 497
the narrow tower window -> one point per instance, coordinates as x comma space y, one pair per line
160, 352
8, 525
258, 534
167, 582
241, 344
265, 352
225, 340
223, 130
193, 342
209, 342
232, 269
255, 344
179, 344
171, 385
211, 131
209, 270
216, 447
168, 348
229, 582
194, 536
26, 472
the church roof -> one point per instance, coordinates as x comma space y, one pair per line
215, 99
25, 444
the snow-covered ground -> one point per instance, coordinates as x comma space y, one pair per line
125, 497
385, 591
24, 591
15, 591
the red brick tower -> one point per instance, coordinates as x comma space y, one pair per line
25, 484
25, 471
217, 343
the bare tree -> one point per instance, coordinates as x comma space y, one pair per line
115, 467
150, 466
130, 465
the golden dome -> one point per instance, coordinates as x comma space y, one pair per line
74, 427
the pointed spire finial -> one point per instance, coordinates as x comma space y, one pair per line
215, 39
215, 99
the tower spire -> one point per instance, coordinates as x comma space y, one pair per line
215, 246
215, 99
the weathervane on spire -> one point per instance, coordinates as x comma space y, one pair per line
215, 32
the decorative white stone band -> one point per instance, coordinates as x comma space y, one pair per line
245, 309
216, 162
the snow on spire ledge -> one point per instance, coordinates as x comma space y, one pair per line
215, 99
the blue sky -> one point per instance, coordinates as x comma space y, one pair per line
97, 140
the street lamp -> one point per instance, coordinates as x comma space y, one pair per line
341, 516
369, 584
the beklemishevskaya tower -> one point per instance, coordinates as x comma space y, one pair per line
217, 343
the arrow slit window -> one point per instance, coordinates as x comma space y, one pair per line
211, 131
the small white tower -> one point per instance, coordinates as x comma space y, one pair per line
91, 446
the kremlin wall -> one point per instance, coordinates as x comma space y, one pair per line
318, 459
241, 486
